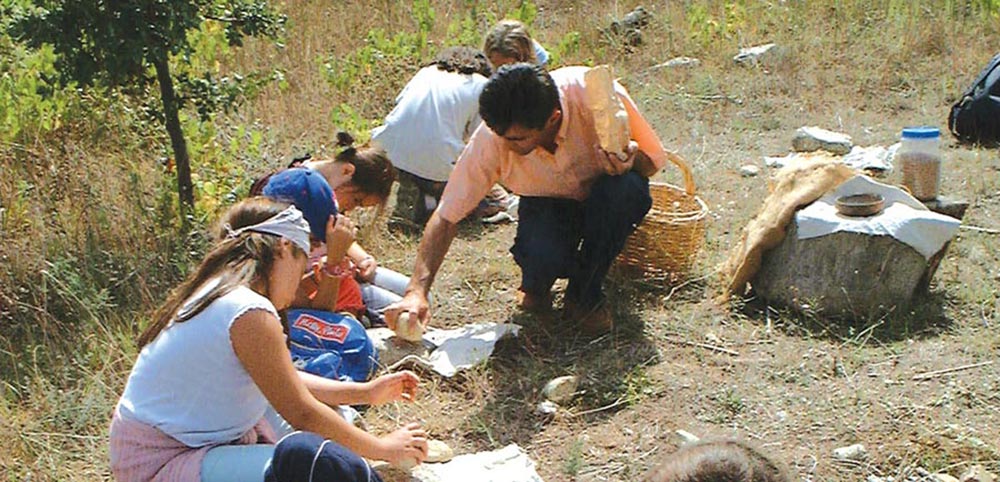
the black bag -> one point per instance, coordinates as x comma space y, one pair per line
975, 118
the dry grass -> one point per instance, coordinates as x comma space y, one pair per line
800, 386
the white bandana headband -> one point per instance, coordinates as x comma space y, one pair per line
288, 224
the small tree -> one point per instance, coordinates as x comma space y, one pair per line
130, 42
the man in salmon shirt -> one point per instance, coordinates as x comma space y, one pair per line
579, 203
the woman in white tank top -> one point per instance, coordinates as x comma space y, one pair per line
214, 357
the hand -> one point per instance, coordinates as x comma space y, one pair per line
614, 163
395, 386
412, 302
366, 269
405, 445
339, 236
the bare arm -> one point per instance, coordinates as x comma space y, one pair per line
259, 344
384, 389
434, 244
356, 252
644, 165
319, 290
365, 262
334, 392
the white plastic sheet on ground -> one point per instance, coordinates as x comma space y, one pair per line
509, 464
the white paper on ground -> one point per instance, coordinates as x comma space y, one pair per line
465, 347
509, 464
455, 349
751, 55
509, 212
822, 136
903, 218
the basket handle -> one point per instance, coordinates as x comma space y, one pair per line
685, 170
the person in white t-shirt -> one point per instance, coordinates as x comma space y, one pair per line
214, 358
434, 116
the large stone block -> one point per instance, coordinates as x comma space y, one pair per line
842, 275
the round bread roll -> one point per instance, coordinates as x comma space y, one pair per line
409, 328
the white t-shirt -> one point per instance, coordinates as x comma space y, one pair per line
435, 114
189, 383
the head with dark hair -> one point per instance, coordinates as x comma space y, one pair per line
508, 42
718, 461
464, 60
521, 97
371, 175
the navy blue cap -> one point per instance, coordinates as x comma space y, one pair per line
921, 132
308, 191
308, 456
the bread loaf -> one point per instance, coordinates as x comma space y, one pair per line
610, 118
438, 451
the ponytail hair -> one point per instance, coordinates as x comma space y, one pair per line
373, 172
240, 260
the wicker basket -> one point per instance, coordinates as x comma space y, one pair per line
665, 244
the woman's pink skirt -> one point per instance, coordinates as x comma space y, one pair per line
141, 453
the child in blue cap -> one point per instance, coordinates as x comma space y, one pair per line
307, 190
359, 177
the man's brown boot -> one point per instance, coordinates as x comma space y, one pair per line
534, 302
593, 321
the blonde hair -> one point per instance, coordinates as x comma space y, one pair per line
510, 38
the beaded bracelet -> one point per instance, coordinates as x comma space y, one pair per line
337, 270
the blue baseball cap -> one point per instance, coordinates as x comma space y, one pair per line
308, 191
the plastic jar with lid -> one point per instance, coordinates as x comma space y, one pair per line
919, 155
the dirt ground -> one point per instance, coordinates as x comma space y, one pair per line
796, 385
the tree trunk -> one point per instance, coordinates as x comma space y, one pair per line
170, 108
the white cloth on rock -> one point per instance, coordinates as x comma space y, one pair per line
904, 218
